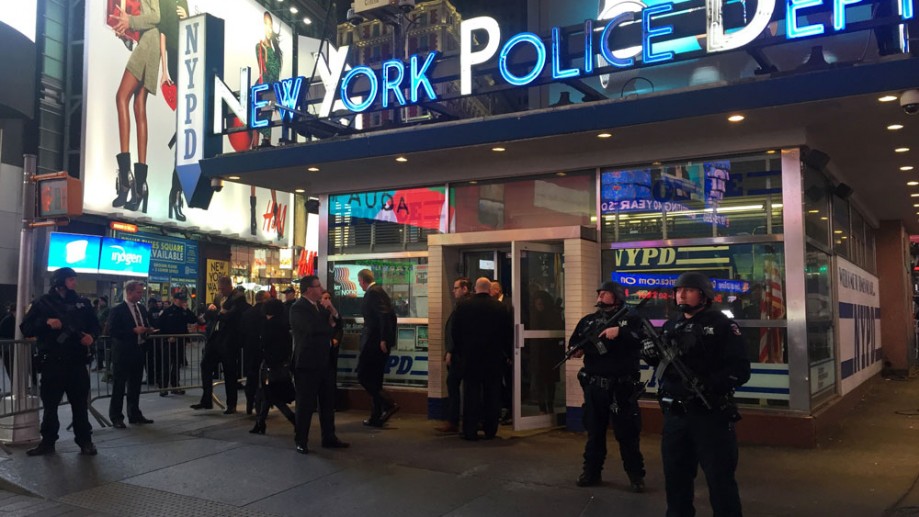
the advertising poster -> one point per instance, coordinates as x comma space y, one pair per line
130, 113
215, 270
859, 325
78, 252
124, 258
420, 207
172, 260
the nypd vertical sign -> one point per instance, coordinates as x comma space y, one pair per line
859, 324
200, 60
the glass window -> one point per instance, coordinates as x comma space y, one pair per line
816, 206
857, 239
871, 262
390, 220
841, 230
564, 199
819, 310
736, 196
406, 282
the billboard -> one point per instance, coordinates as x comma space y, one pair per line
172, 260
78, 252
130, 114
124, 258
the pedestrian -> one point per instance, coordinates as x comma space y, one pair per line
290, 296
338, 332
170, 345
507, 373
482, 335
129, 325
453, 361
223, 346
65, 327
610, 380
378, 337
699, 410
276, 386
311, 323
252, 347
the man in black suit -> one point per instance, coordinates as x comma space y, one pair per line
129, 326
223, 346
482, 334
312, 321
377, 339
290, 297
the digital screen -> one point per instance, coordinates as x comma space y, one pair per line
78, 252
126, 258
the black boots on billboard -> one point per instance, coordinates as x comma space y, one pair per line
123, 180
135, 185
175, 198
139, 192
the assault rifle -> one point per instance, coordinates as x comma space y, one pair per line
591, 336
670, 358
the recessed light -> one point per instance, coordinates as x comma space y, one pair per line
813, 211
912, 183
232, 177
402, 159
299, 191
307, 21
736, 118
605, 135
895, 127
837, 231
656, 163
498, 149
770, 151
901, 150
824, 218
563, 174
906, 168
293, 10
473, 182
914, 195
888, 98
313, 169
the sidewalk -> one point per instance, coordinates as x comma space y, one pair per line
205, 463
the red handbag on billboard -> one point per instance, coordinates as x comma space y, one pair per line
113, 9
170, 94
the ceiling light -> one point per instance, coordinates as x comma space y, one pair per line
605, 135
915, 206
888, 98
912, 183
562, 174
901, 150
736, 118
824, 218
473, 182
402, 159
313, 169
307, 21
293, 10
299, 191
232, 177
813, 211
914, 195
837, 231
498, 149
906, 168
895, 127
770, 151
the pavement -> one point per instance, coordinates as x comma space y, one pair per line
204, 463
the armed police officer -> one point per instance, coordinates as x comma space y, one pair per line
66, 327
700, 361
610, 379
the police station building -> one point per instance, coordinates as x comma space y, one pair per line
554, 145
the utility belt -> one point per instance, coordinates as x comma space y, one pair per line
603, 382
678, 406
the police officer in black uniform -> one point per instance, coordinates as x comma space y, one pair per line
610, 379
699, 411
66, 327
170, 355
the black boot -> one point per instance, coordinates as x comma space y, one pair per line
175, 198
259, 427
139, 193
123, 180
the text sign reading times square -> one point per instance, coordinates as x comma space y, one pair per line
398, 84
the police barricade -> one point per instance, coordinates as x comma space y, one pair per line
172, 364
19, 391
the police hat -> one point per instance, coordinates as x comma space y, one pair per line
696, 280
180, 295
613, 287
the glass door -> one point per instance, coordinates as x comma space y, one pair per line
539, 333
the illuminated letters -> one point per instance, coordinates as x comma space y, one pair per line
346, 99
523, 37
468, 58
605, 51
391, 84
648, 55
791, 19
419, 78
256, 105
557, 72
287, 94
718, 41
223, 95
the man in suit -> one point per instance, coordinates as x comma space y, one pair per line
482, 334
461, 293
129, 326
377, 339
312, 320
290, 297
252, 346
507, 374
223, 346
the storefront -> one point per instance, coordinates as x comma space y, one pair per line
714, 167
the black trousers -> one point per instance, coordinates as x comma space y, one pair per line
127, 371
481, 403
705, 438
58, 378
314, 386
370, 368
252, 365
214, 354
626, 428
454, 383
167, 358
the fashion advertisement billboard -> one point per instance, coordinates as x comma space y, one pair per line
129, 158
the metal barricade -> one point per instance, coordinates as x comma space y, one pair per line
19, 389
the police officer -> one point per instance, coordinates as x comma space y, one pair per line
610, 379
699, 412
170, 355
66, 327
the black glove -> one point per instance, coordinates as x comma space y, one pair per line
649, 350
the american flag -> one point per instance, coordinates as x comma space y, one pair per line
772, 307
